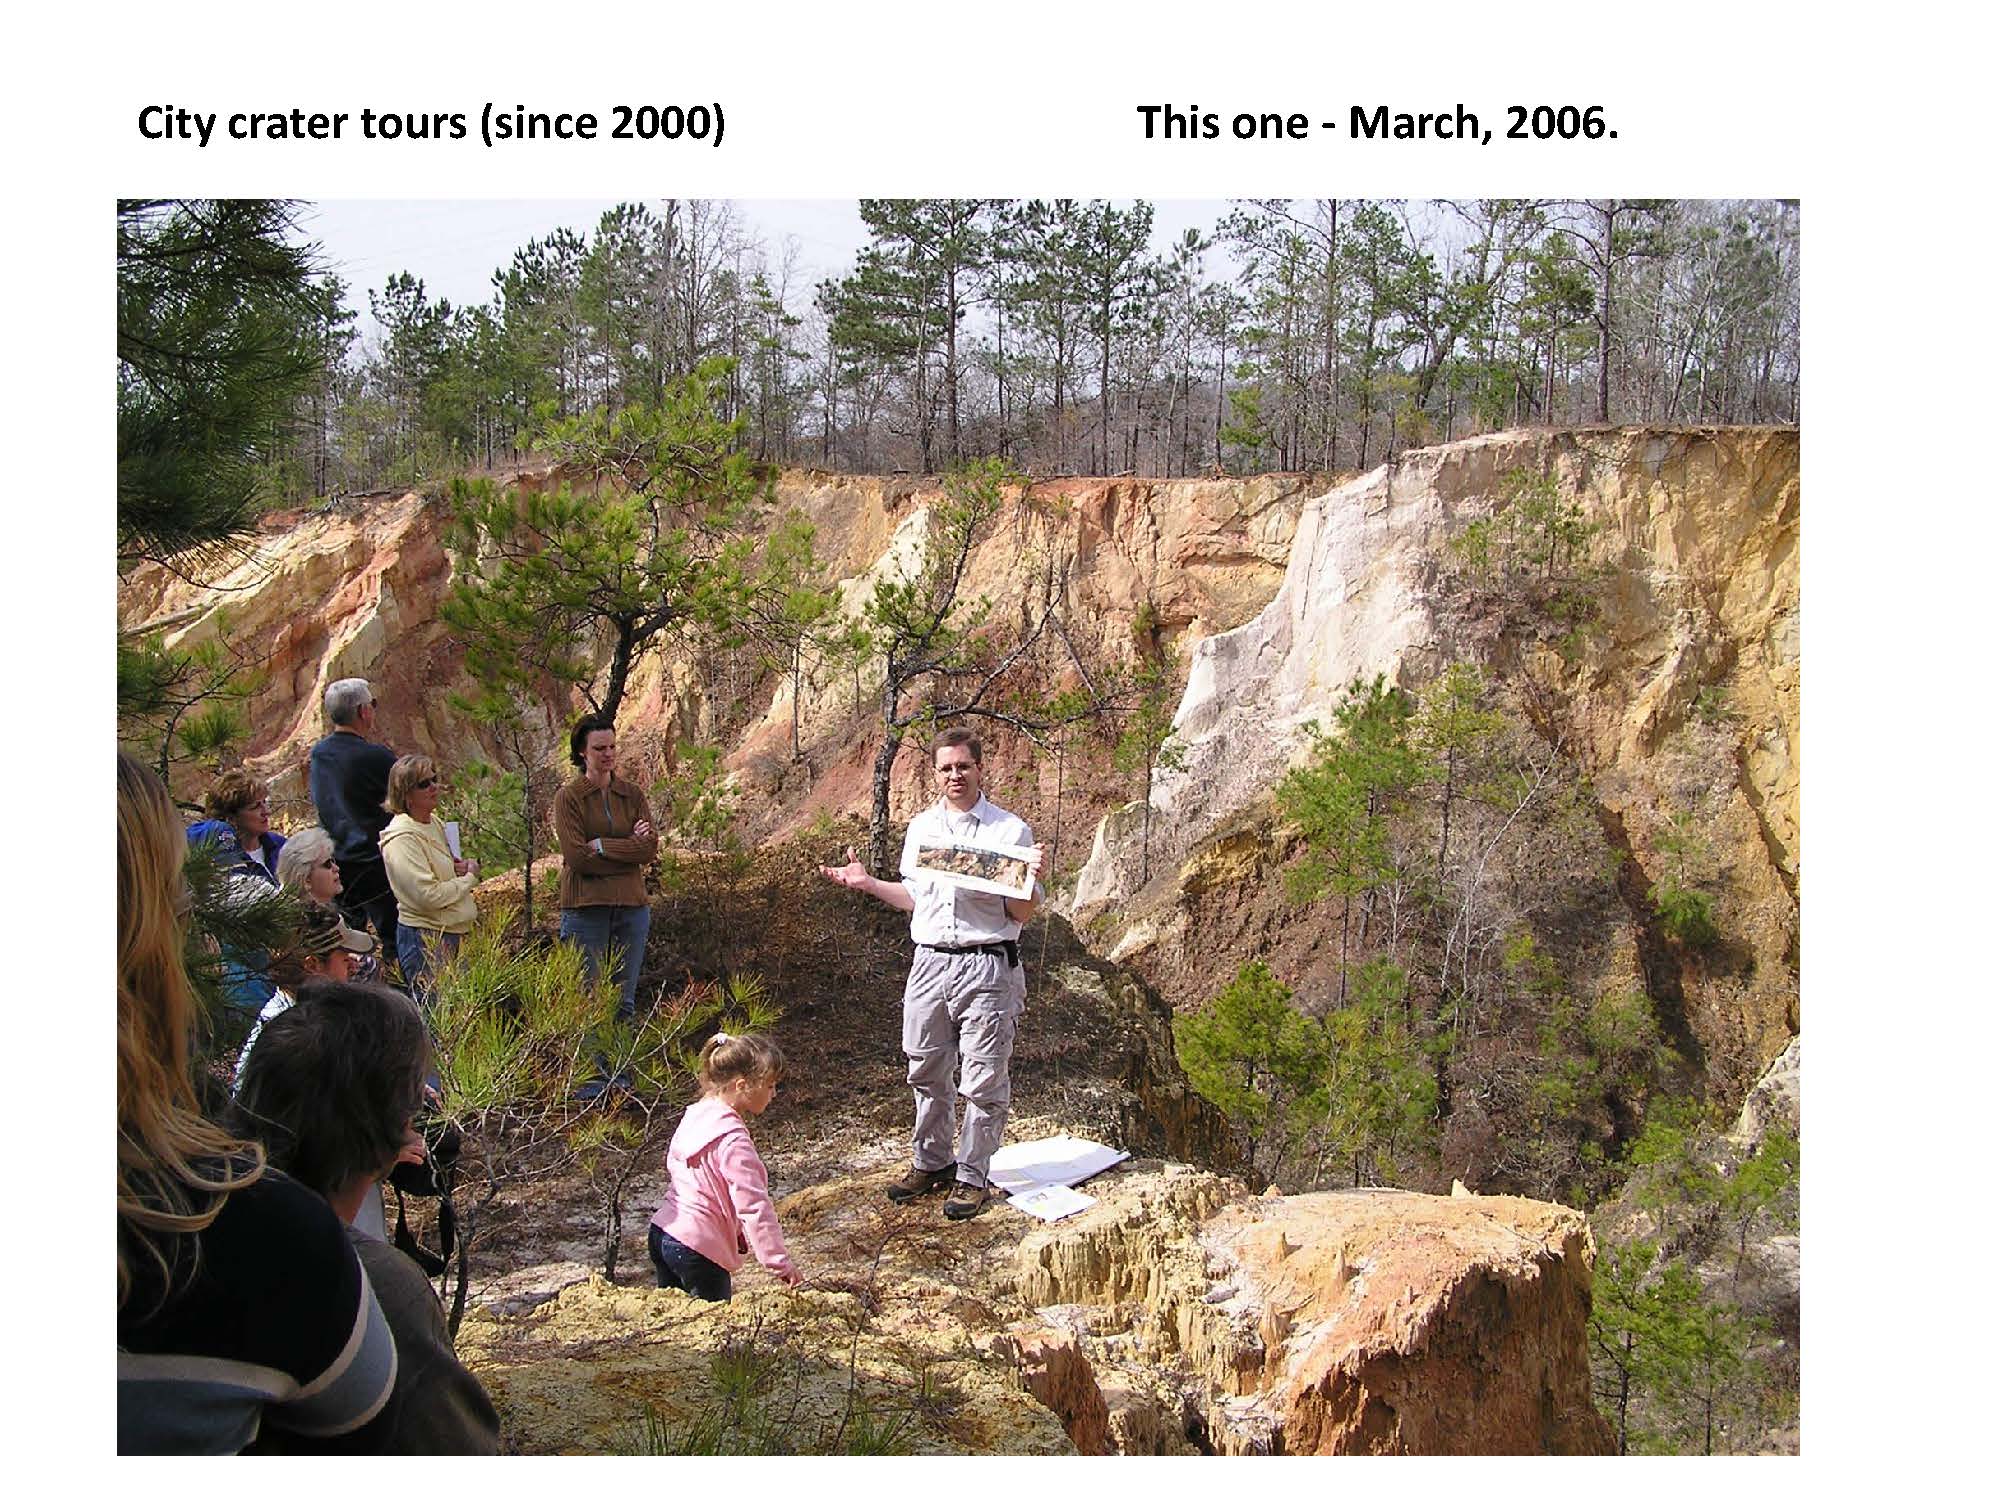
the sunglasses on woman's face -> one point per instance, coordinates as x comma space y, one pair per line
426, 783
326, 865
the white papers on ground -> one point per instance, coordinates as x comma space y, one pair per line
1051, 1203
1053, 1161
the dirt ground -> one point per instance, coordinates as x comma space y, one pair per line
835, 961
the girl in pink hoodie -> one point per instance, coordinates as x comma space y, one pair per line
718, 1194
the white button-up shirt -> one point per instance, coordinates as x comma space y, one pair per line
948, 915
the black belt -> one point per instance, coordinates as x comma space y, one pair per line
1011, 948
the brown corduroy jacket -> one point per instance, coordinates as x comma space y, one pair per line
616, 878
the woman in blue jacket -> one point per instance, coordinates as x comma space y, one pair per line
239, 824
238, 831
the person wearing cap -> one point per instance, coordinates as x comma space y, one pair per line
966, 988
306, 865
349, 778
323, 948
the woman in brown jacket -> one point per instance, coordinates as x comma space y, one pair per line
607, 836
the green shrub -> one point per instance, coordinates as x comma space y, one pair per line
1687, 914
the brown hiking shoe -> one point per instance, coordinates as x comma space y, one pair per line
917, 1182
965, 1202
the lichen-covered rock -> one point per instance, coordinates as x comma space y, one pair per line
1178, 1314
602, 1368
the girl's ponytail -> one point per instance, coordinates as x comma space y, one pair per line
728, 1056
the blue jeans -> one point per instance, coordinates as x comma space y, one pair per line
418, 952
689, 1270
620, 933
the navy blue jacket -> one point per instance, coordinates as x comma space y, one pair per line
349, 779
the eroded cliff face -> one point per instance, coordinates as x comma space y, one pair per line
1682, 698
354, 587
1182, 1313
1176, 1315
317, 597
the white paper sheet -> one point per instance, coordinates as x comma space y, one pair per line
1053, 1161
1051, 1203
1001, 869
451, 839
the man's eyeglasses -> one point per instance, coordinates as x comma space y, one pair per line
951, 768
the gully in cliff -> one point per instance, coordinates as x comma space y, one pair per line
966, 986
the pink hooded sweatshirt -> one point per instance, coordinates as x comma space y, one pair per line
718, 1193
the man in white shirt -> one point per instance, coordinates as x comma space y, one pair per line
966, 987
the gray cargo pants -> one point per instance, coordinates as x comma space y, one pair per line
960, 1010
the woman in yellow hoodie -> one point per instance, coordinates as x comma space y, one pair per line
434, 905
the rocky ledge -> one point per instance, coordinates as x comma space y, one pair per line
1179, 1314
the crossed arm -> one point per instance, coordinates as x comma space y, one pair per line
602, 855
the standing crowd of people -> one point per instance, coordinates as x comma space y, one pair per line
260, 1306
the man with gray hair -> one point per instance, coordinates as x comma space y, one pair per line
349, 779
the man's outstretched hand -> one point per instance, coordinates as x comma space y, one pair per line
853, 874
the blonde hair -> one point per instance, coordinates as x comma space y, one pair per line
728, 1056
176, 1169
405, 775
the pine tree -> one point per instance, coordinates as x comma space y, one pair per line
550, 577
790, 610
1147, 746
185, 703
1118, 278
1253, 1055
217, 341
1453, 729
1358, 779
1379, 1095
927, 633
1045, 246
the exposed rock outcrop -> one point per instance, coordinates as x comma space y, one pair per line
1772, 1103
1363, 1321
1177, 1315
1700, 531
354, 588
